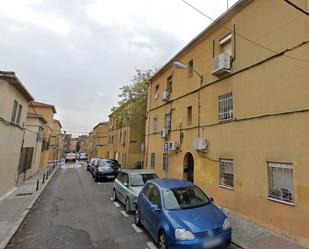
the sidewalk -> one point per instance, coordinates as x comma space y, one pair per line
15, 207
251, 236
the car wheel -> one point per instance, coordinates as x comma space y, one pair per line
137, 217
127, 206
115, 195
162, 243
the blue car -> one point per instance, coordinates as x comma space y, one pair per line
177, 214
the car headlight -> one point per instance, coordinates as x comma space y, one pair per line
182, 234
226, 224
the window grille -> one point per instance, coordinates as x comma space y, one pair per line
167, 121
280, 181
226, 106
226, 173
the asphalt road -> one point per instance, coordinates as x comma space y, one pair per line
74, 212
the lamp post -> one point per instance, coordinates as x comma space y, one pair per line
178, 65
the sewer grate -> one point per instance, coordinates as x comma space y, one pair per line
23, 194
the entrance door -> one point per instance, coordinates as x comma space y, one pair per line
188, 167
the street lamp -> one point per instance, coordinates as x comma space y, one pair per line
179, 65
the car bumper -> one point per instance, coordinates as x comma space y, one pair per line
221, 241
106, 175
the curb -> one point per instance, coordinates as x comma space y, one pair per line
14, 229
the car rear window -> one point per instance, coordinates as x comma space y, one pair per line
140, 179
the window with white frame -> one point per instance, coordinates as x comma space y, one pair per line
226, 44
280, 182
153, 160
155, 125
226, 106
156, 92
226, 173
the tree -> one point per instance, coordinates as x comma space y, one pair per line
131, 108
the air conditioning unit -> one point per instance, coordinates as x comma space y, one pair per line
221, 64
200, 144
172, 146
165, 96
164, 132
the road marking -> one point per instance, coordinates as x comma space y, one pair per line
137, 229
112, 198
116, 204
124, 214
99, 182
151, 245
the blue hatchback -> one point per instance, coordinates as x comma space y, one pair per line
177, 214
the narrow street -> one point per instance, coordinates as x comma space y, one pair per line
75, 212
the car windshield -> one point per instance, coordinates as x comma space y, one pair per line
184, 198
141, 179
104, 164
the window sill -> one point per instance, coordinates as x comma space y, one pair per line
280, 201
226, 120
226, 187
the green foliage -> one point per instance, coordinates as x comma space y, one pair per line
131, 108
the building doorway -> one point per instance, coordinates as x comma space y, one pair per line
188, 167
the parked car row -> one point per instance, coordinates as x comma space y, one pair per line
176, 213
101, 169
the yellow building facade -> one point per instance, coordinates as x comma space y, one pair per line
126, 141
14, 100
56, 141
234, 120
98, 141
47, 111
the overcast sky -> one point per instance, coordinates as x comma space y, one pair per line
76, 54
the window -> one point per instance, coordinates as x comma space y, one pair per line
13, 118
155, 125
169, 83
226, 44
226, 173
280, 181
20, 107
189, 114
167, 124
165, 162
156, 96
154, 197
226, 106
124, 137
153, 160
190, 68
125, 179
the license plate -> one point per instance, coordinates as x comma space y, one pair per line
110, 176
212, 243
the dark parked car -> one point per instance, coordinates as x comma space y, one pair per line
90, 162
105, 169
177, 214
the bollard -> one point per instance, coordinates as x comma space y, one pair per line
37, 185
43, 178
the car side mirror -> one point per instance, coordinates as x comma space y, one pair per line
125, 184
211, 199
154, 208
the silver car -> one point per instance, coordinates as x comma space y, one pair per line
128, 184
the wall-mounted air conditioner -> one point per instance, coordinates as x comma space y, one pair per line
221, 64
164, 132
200, 144
172, 146
165, 96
